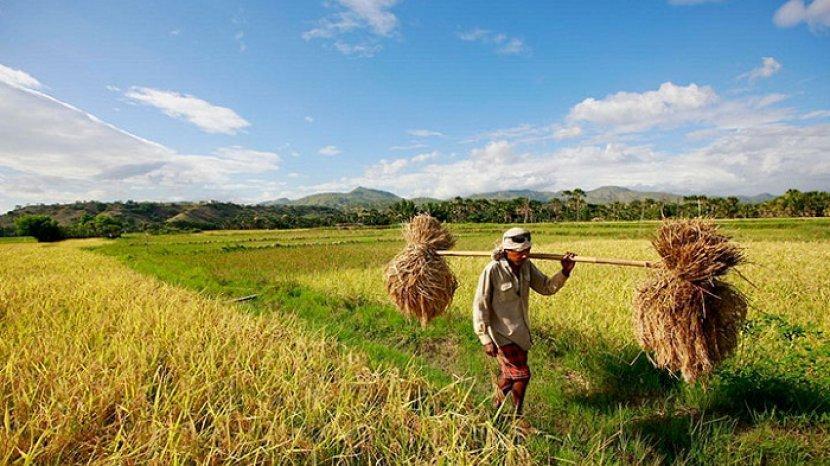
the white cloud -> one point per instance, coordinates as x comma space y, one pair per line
208, 117
216, 169
370, 18
502, 43
474, 34
309, 119
18, 78
513, 46
359, 50
423, 133
523, 133
816, 114
495, 152
51, 151
769, 158
673, 106
385, 168
633, 111
795, 12
769, 66
567, 132
424, 157
113, 88
329, 151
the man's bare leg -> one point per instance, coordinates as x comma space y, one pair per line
503, 387
519, 387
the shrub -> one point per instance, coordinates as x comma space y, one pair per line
43, 227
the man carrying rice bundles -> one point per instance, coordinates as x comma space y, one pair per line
500, 310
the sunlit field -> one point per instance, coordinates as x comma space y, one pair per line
283, 376
103, 365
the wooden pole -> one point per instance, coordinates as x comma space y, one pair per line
556, 257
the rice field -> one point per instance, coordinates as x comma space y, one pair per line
103, 365
594, 397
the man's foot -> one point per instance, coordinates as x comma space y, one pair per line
524, 426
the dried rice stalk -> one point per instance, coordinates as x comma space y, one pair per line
418, 279
683, 314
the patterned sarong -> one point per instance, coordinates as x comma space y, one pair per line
513, 362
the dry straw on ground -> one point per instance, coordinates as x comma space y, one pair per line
684, 313
418, 279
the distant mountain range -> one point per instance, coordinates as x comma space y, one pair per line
374, 198
358, 197
317, 209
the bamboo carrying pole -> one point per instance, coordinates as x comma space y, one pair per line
556, 257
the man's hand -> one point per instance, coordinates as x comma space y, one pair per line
568, 263
491, 350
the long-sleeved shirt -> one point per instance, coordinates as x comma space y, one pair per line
501, 301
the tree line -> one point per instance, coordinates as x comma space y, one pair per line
572, 207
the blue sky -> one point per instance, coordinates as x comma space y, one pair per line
253, 100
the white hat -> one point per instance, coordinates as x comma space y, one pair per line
516, 239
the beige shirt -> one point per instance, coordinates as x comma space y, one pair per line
500, 303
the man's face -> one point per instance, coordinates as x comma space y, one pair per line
518, 257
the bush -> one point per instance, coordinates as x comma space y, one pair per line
43, 227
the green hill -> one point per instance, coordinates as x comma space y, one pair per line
358, 197
201, 215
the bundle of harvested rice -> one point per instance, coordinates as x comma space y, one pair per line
684, 313
418, 279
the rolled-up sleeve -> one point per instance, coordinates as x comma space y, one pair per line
483, 306
543, 284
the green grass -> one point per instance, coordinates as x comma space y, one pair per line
594, 396
16, 239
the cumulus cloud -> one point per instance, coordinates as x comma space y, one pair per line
424, 157
816, 14
387, 168
769, 158
567, 132
18, 78
51, 151
502, 43
329, 151
208, 117
674, 106
361, 18
731, 146
769, 66
637, 111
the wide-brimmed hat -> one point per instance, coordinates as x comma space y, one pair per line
516, 239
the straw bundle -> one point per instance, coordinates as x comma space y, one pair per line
684, 313
418, 279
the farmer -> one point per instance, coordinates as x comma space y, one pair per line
500, 317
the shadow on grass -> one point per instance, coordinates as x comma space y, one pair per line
669, 436
780, 366
614, 376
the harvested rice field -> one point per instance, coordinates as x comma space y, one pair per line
131, 351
